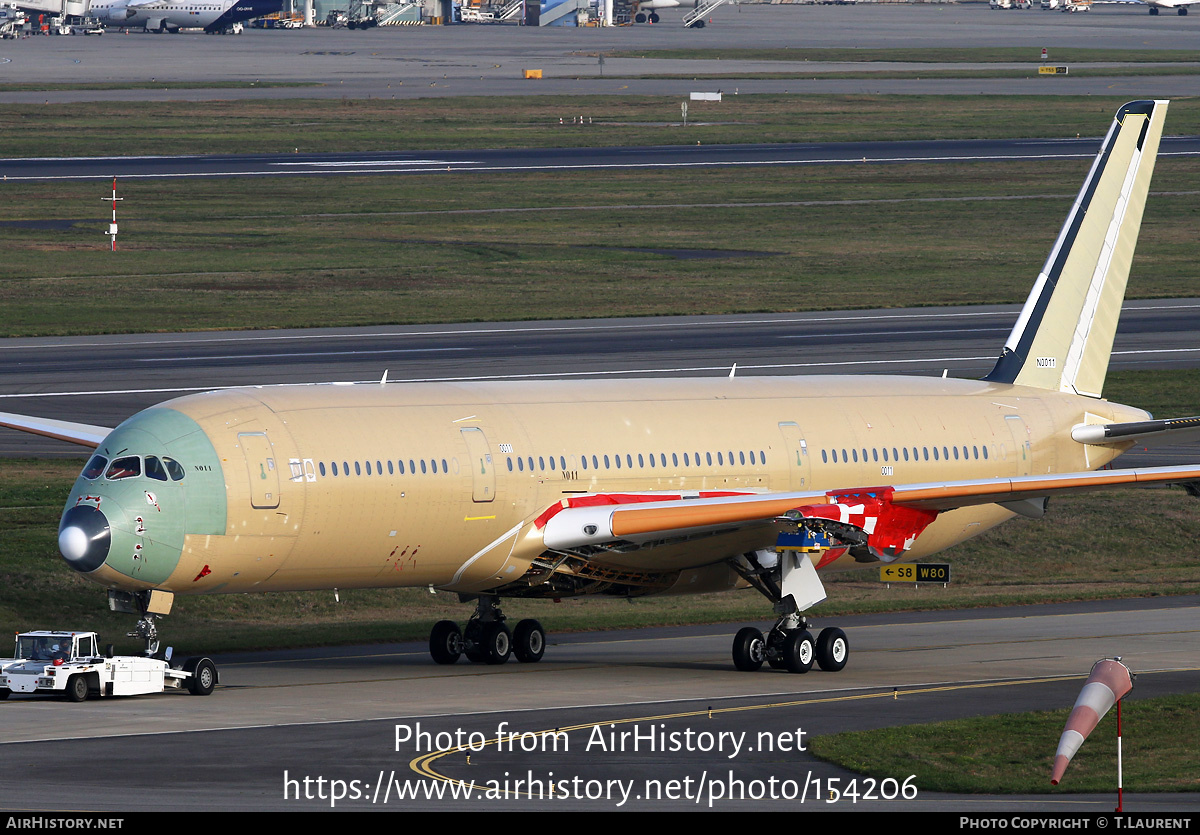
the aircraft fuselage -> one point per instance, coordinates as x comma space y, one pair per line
442, 484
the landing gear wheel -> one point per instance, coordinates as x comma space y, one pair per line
749, 649
445, 642
497, 643
529, 641
833, 649
654, 18
473, 646
77, 688
640, 17
204, 676
798, 651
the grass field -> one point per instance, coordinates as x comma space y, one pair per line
303, 252
922, 55
317, 251
1013, 754
239, 127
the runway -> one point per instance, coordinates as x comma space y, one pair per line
335, 714
104, 379
562, 159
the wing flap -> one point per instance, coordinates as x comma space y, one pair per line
646, 519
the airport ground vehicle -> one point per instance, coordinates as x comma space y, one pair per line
12, 20
70, 663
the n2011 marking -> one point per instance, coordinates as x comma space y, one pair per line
885, 471
1046, 362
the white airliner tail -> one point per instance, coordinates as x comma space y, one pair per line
1064, 335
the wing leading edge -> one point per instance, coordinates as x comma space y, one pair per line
75, 433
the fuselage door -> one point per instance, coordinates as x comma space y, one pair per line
483, 475
797, 454
262, 469
1020, 437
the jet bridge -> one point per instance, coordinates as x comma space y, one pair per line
79, 8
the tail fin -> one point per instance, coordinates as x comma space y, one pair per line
1064, 335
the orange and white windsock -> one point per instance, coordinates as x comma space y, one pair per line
1109, 682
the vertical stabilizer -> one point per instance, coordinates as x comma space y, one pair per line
1064, 335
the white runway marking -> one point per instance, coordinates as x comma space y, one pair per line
723, 369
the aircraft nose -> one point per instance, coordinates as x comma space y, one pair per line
83, 538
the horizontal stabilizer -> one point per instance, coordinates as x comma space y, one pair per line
1145, 432
73, 433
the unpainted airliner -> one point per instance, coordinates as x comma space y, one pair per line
553, 489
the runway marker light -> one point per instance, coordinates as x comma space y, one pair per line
112, 227
895, 694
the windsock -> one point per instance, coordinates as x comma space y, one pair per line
1108, 683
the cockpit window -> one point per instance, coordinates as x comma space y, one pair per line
95, 467
174, 468
155, 469
128, 467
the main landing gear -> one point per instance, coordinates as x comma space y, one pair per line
486, 638
790, 648
787, 578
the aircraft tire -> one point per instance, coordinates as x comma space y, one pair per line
204, 676
529, 642
77, 688
654, 18
833, 649
640, 17
798, 651
445, 642
498, 642
749, 649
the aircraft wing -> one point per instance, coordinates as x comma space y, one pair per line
74, 433
889, 518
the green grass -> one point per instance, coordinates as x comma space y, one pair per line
934, 71
304, 252
1080, 551
1014, 753
922, 55
533, 121
53, 86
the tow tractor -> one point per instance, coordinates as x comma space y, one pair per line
69, 663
